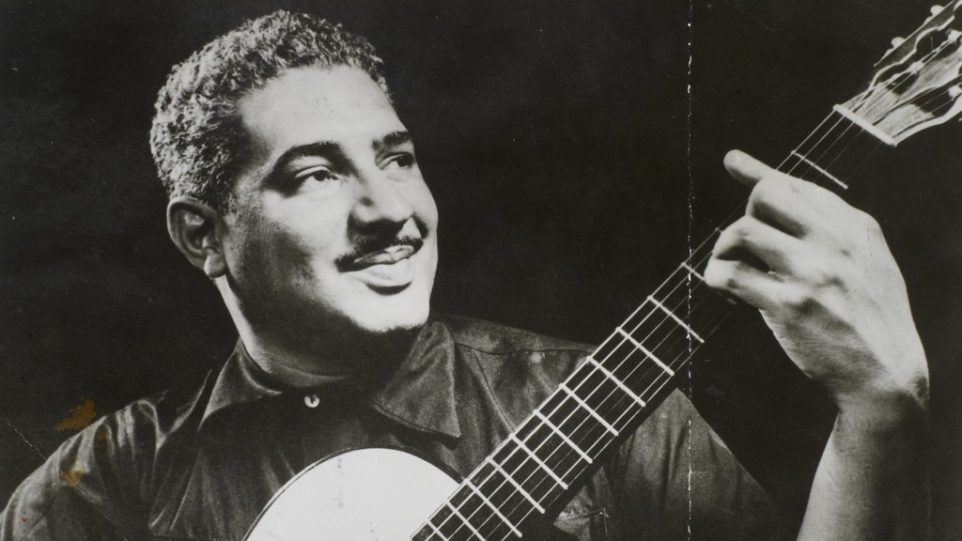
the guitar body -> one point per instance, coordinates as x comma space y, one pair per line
368, 494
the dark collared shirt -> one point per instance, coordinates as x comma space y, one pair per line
201, 465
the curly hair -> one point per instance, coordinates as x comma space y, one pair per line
196, 137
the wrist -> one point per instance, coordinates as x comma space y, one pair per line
886, 412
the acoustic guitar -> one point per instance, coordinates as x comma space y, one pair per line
387, 494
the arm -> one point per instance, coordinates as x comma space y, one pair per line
827, 286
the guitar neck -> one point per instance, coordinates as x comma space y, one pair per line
601, 402
916, 86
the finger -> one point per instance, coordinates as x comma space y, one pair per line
745, 168
776, 249
778, 201
753, 286
774, 197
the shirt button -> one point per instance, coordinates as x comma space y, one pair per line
312, 400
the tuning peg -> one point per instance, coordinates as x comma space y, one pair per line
897, 41
935, 10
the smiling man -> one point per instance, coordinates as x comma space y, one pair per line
295, 188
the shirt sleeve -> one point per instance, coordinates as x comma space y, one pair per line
675, 479
83, 491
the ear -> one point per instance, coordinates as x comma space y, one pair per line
196, 230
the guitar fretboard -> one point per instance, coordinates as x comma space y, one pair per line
605, 399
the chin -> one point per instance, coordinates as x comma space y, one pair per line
379, 314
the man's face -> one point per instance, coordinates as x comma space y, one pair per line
334, 229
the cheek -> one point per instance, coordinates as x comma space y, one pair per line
288, 245
425, 207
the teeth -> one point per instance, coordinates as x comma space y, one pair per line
388, 255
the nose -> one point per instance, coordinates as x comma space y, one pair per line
380, 200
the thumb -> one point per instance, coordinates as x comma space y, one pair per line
744, 168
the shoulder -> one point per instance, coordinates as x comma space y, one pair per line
103, 474
497, 339
144, 428
518, 369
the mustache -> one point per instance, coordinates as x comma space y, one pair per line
371, 244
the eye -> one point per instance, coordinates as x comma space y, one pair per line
402, 160
320, 174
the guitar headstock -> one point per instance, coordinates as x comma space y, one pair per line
918, 82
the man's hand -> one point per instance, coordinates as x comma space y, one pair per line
828, 287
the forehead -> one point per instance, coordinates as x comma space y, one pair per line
316, 104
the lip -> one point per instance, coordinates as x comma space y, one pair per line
388, 270
387, 256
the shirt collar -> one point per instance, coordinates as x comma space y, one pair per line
419, 394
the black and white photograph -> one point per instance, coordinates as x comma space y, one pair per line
593, 270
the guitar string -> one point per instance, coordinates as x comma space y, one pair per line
527, 420
535, 429
810, 168
567, 451
623, 341
536, 449
865, 95
858, 166
792, 170
517, 450
654, 310
547, 460
604, 400
896, 85
906, 78
497, 523
618, 421
930, 102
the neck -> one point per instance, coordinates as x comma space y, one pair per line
310, 358
365, 358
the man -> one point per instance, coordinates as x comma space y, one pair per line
295, 188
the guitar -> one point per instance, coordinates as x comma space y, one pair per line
389, 494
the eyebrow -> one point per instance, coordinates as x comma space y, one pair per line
326, 149
332, 151
392, 139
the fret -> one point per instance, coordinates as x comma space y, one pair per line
617, 381
678, 320
463, 520
516, 486
691, 271
819, 169
539, 462
563, 436
492, 507
866, 126
589, 409
644, 350
436, 531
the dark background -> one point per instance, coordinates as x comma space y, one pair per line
555, 138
